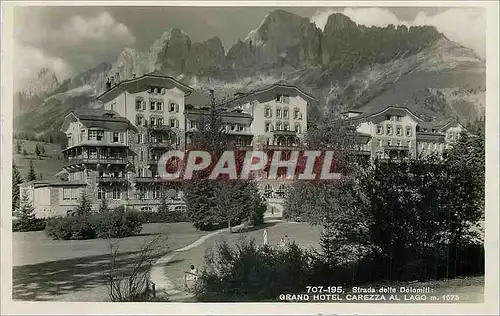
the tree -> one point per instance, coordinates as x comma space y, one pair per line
19, 147
31, 176
25, 213
16, 181
103, 207
37, 150
85, 205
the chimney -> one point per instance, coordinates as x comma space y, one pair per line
117, 77
112, 81
133, 76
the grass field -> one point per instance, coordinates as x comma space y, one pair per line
73, 270
48, 164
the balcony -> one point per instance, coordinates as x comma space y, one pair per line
394, 147
111, 180
160, 128
162, 145
95, 161
284, 133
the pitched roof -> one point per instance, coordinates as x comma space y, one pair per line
100, 118
244, 96
128, 84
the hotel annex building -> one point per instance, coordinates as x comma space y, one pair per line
113, 151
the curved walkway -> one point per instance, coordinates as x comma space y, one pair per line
164, 286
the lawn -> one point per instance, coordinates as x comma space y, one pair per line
47, 165
46, 269
301, 233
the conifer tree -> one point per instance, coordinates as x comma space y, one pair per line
85, 205
16, 181
26, 213
31, 173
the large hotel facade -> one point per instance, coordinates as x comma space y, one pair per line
113, 151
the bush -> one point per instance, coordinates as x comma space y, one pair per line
71, 227
251, 273
34, 225
110, 224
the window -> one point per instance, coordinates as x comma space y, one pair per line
380, 130
146, 209
281, 190
138, 120
268, 112
156, 193
140, 138
278, 126
296, 114
153, 121
93, 154
282, 98
117, 193
286, 99
152, 105
70, 194
399, 143
180, 208
285, 113
101, 193
408, 131
159, 122
138, 105
268, 191
172, 107
399, 131
389, 129
286, 126
269, 127
278, 113
298, 128
92, 135
70, 143
116, 137
159, 106
379, 143
397, 118
112, 106
174, 122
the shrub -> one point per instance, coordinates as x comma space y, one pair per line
34, 225
110, 224
248, 272
71, 227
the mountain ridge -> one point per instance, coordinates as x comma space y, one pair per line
344, 66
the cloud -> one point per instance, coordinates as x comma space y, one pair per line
102, 27
466, 26
80, 41
29, 60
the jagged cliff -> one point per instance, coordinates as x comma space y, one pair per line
344, 66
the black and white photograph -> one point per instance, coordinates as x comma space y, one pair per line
254, 153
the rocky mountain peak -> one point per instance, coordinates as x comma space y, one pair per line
45, 82
337, 21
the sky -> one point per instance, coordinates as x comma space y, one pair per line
69, 40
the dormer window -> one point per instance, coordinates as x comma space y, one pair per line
282, 98
399, 131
